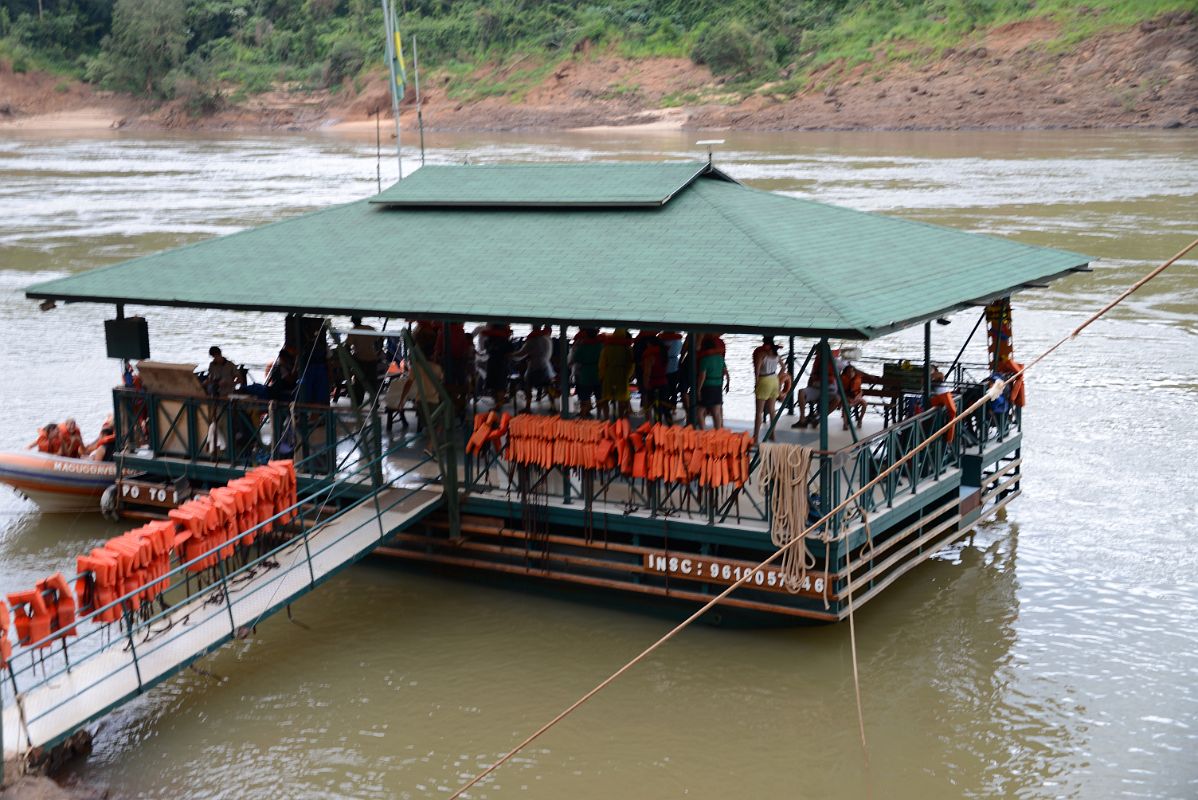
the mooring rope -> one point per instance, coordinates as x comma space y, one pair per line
785, 469
994, 391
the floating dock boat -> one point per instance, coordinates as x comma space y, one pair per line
57, 484
658, 246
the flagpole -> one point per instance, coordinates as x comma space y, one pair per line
419, 105
392, 65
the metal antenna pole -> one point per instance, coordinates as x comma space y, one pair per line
419, 106
392, 63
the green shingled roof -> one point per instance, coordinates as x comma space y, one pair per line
716, 256
647, 183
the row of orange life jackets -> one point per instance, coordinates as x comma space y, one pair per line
655, 452
69, 443
213, 522
136, 562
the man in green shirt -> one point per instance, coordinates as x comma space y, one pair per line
714, 380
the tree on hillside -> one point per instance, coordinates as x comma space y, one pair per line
148, 39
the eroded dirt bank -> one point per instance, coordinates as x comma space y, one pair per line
1146, 76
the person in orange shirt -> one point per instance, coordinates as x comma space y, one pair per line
72, 439
942, 397
851, 378
48, 440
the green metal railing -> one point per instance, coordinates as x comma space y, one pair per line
235, 432
845, 470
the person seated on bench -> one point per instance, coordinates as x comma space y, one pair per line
810, 395
851, 378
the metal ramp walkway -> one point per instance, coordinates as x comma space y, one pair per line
122, 660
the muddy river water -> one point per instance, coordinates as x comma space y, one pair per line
1054, 653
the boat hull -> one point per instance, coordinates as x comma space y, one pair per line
57, 484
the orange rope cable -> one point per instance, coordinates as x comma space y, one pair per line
844, 504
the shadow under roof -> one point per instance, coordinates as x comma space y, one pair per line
715, 255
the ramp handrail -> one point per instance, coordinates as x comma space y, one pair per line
303, 508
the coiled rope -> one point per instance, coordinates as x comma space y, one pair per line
785, 470
995, 389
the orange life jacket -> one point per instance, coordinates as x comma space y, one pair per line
71, 442
31, 616
5, 643
47, 445
945, 400
61, 603
96, 586
852, 386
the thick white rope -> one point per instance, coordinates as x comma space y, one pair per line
785, 469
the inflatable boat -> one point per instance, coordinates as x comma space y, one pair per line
56, 483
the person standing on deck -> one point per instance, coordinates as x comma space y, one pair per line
686, 392
638, 359
281, 376
672, 341
425, 337
364, 348
497, 344
539, 374
222, 374
455, 354
766, 386
653, 378
615, 371
584, 359
713, 374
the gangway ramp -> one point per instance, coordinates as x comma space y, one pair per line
134, 657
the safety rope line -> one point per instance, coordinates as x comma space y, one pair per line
848, 577
994, 391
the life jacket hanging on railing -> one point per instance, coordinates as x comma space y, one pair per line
31, 617
61, 603
96, 587
946, 401
489, 430
289, 497
5, 642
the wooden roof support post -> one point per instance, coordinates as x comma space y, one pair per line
927, 364
692, 410
563, 370
563, 350
789, 404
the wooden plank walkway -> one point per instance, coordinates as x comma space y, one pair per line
115, 673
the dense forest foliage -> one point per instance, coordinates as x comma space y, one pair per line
199, 48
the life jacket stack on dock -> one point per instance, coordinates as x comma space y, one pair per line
653, 452
135, 565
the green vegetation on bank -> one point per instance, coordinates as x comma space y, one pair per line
202, 49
